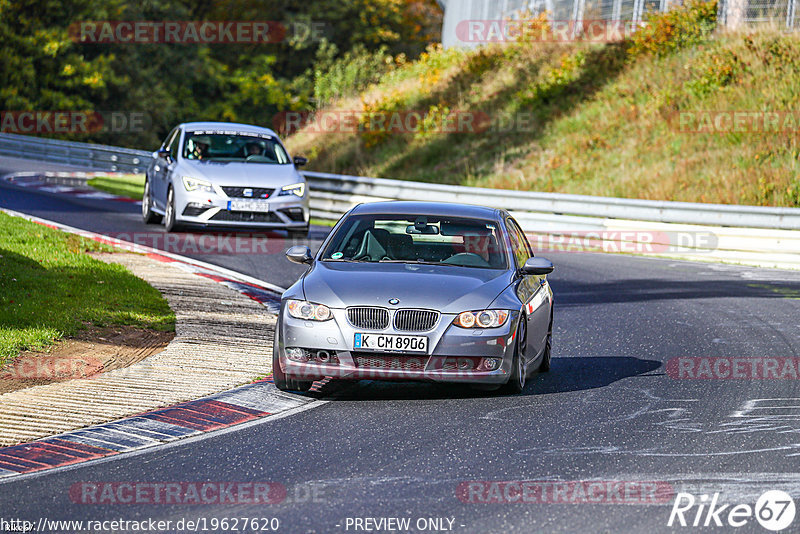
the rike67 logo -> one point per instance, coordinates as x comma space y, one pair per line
774, 510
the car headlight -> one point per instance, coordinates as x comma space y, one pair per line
481, 319
301, 309
193, 184
298, 189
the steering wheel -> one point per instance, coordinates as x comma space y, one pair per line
467, 259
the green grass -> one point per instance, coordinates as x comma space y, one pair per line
602, 116
322, 222
49, 288
126, 185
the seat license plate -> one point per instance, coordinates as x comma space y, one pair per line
248, 205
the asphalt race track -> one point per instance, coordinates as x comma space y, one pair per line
608, 411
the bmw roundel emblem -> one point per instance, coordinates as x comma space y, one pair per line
394, 301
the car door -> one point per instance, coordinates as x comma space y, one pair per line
159, 176
533, 292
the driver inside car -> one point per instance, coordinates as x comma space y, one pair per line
253, 149
199, 147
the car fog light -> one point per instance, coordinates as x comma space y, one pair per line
490, 364
323, 356
296, 354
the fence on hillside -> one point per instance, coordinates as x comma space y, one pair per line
731, 14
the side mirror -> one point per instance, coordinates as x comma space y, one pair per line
537, 266
299, 161
300, 254
162, 153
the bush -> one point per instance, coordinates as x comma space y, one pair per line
683, 26
352, 73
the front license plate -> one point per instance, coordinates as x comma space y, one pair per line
248, 205
384, 342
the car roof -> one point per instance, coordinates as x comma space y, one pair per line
227, 126
447, 209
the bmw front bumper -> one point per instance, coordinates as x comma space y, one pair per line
455, 354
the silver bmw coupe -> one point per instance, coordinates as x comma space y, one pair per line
417, 291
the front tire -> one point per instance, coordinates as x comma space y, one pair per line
516, 381
548, 350
170, 224
148, 215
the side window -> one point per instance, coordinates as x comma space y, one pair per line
173, 145
519, 243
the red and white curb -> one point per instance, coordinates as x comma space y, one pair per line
215, 412
46, 182
219, 411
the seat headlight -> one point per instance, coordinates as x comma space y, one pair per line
298, 189
481, 319
193, 184
301, 309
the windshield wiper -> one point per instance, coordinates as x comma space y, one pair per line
418, 262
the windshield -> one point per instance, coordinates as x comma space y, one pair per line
234, 146
418, 239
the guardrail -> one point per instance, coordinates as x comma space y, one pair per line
340, 187
100, 157
743, 234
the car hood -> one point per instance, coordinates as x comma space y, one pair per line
449, 289
243, 174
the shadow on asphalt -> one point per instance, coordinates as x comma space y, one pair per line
566, 375
573, 294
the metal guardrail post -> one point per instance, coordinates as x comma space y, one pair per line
577, 17
637, 12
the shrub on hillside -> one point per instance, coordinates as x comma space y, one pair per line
352, 73
683, 26
713, 70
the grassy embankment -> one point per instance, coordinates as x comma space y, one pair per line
50, 288
124, 185
605, 116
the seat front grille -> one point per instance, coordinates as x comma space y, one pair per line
245, 216
256, 192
